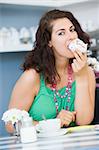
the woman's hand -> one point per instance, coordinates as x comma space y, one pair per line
35, 122
9, 127
79, 62
66, 117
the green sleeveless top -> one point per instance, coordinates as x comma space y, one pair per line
44, 104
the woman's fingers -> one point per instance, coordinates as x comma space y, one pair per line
65, 121
78, 54
9, 127
66, 117
80, 61
78, 57
74, 115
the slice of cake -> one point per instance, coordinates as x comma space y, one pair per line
78, 44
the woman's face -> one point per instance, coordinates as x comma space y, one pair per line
63, 32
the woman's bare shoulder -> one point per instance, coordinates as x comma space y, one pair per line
29, 80
30, 75
25, 89
32, 79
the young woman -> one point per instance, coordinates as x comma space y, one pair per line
56, 82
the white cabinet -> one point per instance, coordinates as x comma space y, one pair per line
26, 13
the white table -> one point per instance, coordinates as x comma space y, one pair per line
88, 140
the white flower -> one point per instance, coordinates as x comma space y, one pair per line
24, 114
91, 61
96, 67
14, 115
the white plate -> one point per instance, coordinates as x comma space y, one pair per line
97, 127
52, 134
38, 129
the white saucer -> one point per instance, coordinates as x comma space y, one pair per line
38, 129
52, 134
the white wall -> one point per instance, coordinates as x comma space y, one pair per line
86, 13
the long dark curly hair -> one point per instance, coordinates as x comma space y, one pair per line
41, 58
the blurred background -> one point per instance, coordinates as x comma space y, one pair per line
18, 23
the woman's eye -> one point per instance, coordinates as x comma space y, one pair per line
61, 33
72, 30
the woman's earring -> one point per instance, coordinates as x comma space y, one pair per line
50, 44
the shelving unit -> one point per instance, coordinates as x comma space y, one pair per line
13, 16
30, 4
16, 48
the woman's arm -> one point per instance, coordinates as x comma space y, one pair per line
24, 91
85, 98
85, 90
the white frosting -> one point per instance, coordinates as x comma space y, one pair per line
77, 44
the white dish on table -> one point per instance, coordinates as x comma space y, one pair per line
60, 132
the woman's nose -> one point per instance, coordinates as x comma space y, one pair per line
70, 36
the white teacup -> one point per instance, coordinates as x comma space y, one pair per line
49, 125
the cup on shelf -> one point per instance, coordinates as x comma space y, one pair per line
24, 35
32, 33
5, 36
14, 36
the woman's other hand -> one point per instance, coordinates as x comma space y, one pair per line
66, 117
9, 127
